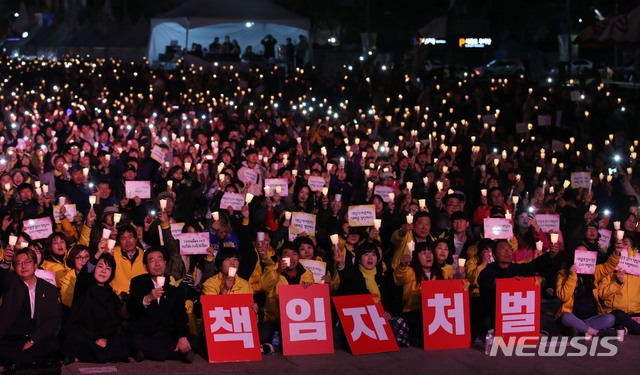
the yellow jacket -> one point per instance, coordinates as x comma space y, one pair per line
256, 275
59, 268
215, 284
125, 270
566, 284
270, 282
625, 296
67, 287
412, 291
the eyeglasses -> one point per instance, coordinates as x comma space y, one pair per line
24, 263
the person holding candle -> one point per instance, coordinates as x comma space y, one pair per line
620, 293
494, 198
287, 271
91, 333
77, 258
413, 268
527, 232
419, 231
221, 232
581, 309
225, 281
129, 260
159, 323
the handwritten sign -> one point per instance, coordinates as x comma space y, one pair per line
273, 182
605, 238
194, 243
38, 229
157, 154
498, 228
489, 119
316, 183
522, 127
544, 120
141, 189
629, 263
549, 222
580, 180
384, 191
235, 200
317, 268
176, 231
362, 216
70, 212
585, 262
249, 175
302, 223
48, 276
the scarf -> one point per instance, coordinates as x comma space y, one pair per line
370, 279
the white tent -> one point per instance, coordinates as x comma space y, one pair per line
247, 21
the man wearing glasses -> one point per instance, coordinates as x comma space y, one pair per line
30, 313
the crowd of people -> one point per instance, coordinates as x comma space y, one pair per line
446, 153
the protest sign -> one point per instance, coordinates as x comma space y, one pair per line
302, 223
38, 229
585, 262
445, 313
70, 212
272, 183
141, 189
316, 183
362, 215
235, 200
548, 222
518, 308
194, 243
317, 268
498, 228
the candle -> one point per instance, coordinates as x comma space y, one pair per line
13, 240
267, 190
411, 246
337, 197
36, 184
554, 237
392, 196
116, 218
187, 166
539, 245
170, 184
439, 184
620, 234
38, 191
248, 198
334, 239
377, 223
590, 184
422, 203
592, 208
515, 199
160, 280
111, 244
566, 183
287, 215
106, 233
260, 236
45, 188
507, 215
461, 262
287, 261
163, 204
85, 172
483, 192
232, 271
278, 189
616, 225
216, 216
409, 219
425, 180
92, 200
410, 185
325, 191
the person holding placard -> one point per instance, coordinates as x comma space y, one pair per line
55, 255
287, 271
592, 243
502, 268
28, 324
413, 268
91, 333
581, 309
494, 198
527, 233
308, 251
159, 327
252, 173
620, 292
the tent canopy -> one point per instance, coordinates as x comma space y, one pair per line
247, 21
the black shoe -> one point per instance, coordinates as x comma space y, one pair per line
139, 356
189, 357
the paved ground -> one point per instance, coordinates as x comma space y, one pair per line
405, 361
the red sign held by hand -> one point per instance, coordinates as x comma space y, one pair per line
364, 325
305, 315
231, 328
445, 313
518, 308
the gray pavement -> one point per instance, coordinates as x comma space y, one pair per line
405, 361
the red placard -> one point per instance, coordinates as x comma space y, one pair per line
231, 328
518, 309
364, 326
445, 314
305, 315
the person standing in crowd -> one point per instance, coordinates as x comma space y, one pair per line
269, 43
301, 51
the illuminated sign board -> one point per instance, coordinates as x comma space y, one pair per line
431, 41
474, 42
